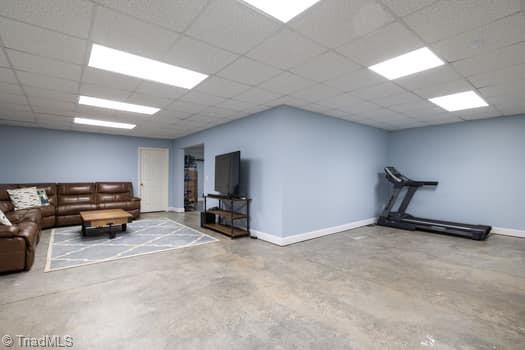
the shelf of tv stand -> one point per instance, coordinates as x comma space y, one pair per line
229, 198
228, 214
234, 232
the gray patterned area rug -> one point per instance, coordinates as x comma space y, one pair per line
67, 247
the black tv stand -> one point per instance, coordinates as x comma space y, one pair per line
225, 218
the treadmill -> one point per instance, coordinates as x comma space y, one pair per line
400, 219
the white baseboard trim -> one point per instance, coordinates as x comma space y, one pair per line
176, 210
508, 232
283, 241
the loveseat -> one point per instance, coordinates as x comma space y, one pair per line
66, 201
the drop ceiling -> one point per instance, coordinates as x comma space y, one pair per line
317, 61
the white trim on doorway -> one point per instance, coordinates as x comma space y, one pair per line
165, 184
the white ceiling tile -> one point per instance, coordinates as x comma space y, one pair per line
184, 106
202, 98
148, 100
10, 88
510, 91
429, 77
235, 105
248, 71
355, 80
446, 18
499, 77
398, 99
50, 94
385, 43
289, 101
404, 7
176, 15
221, 87
110, 79
43, 42
67, 16
42, 65
378, 91
442, 89
46, 82
7, 76
494, 60
14, 107
348, 103
443, 119
285, 49
16, 115
199, 56
216, 112
335, 22
316, 92
232, 25
503, 32
42, 105
3, 59
325, 66
125, 33
170, 115
257, 96
286, 83
479, 113
10, 98
161, 90
94, 90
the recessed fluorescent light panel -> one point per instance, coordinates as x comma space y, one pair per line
144, 68
409, 63
459, 101
283, 10
103, 123
121, 106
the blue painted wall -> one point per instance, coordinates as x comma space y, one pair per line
330, 171
305, 171
260, 139
43, 155
480, 166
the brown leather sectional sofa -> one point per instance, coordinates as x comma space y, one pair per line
66, 201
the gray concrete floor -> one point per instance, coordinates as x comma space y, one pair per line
369, 288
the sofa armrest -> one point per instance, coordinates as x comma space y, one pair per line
135, 199
8, 231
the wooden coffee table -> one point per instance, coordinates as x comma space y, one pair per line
105, 218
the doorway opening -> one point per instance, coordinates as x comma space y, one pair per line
193, 178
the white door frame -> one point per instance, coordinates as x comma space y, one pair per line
139, 165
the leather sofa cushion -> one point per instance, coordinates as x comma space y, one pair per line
25, 215
74, 209
47, 210
30, 231
6, 206
4, 196
88, 198
115, 187
113, 197
128, 205
75, 188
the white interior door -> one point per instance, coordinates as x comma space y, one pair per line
153, 179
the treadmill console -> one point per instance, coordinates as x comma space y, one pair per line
395, 176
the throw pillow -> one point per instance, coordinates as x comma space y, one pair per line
24, 198
43, 196
4, 220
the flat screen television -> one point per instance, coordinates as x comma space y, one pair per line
228, 173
